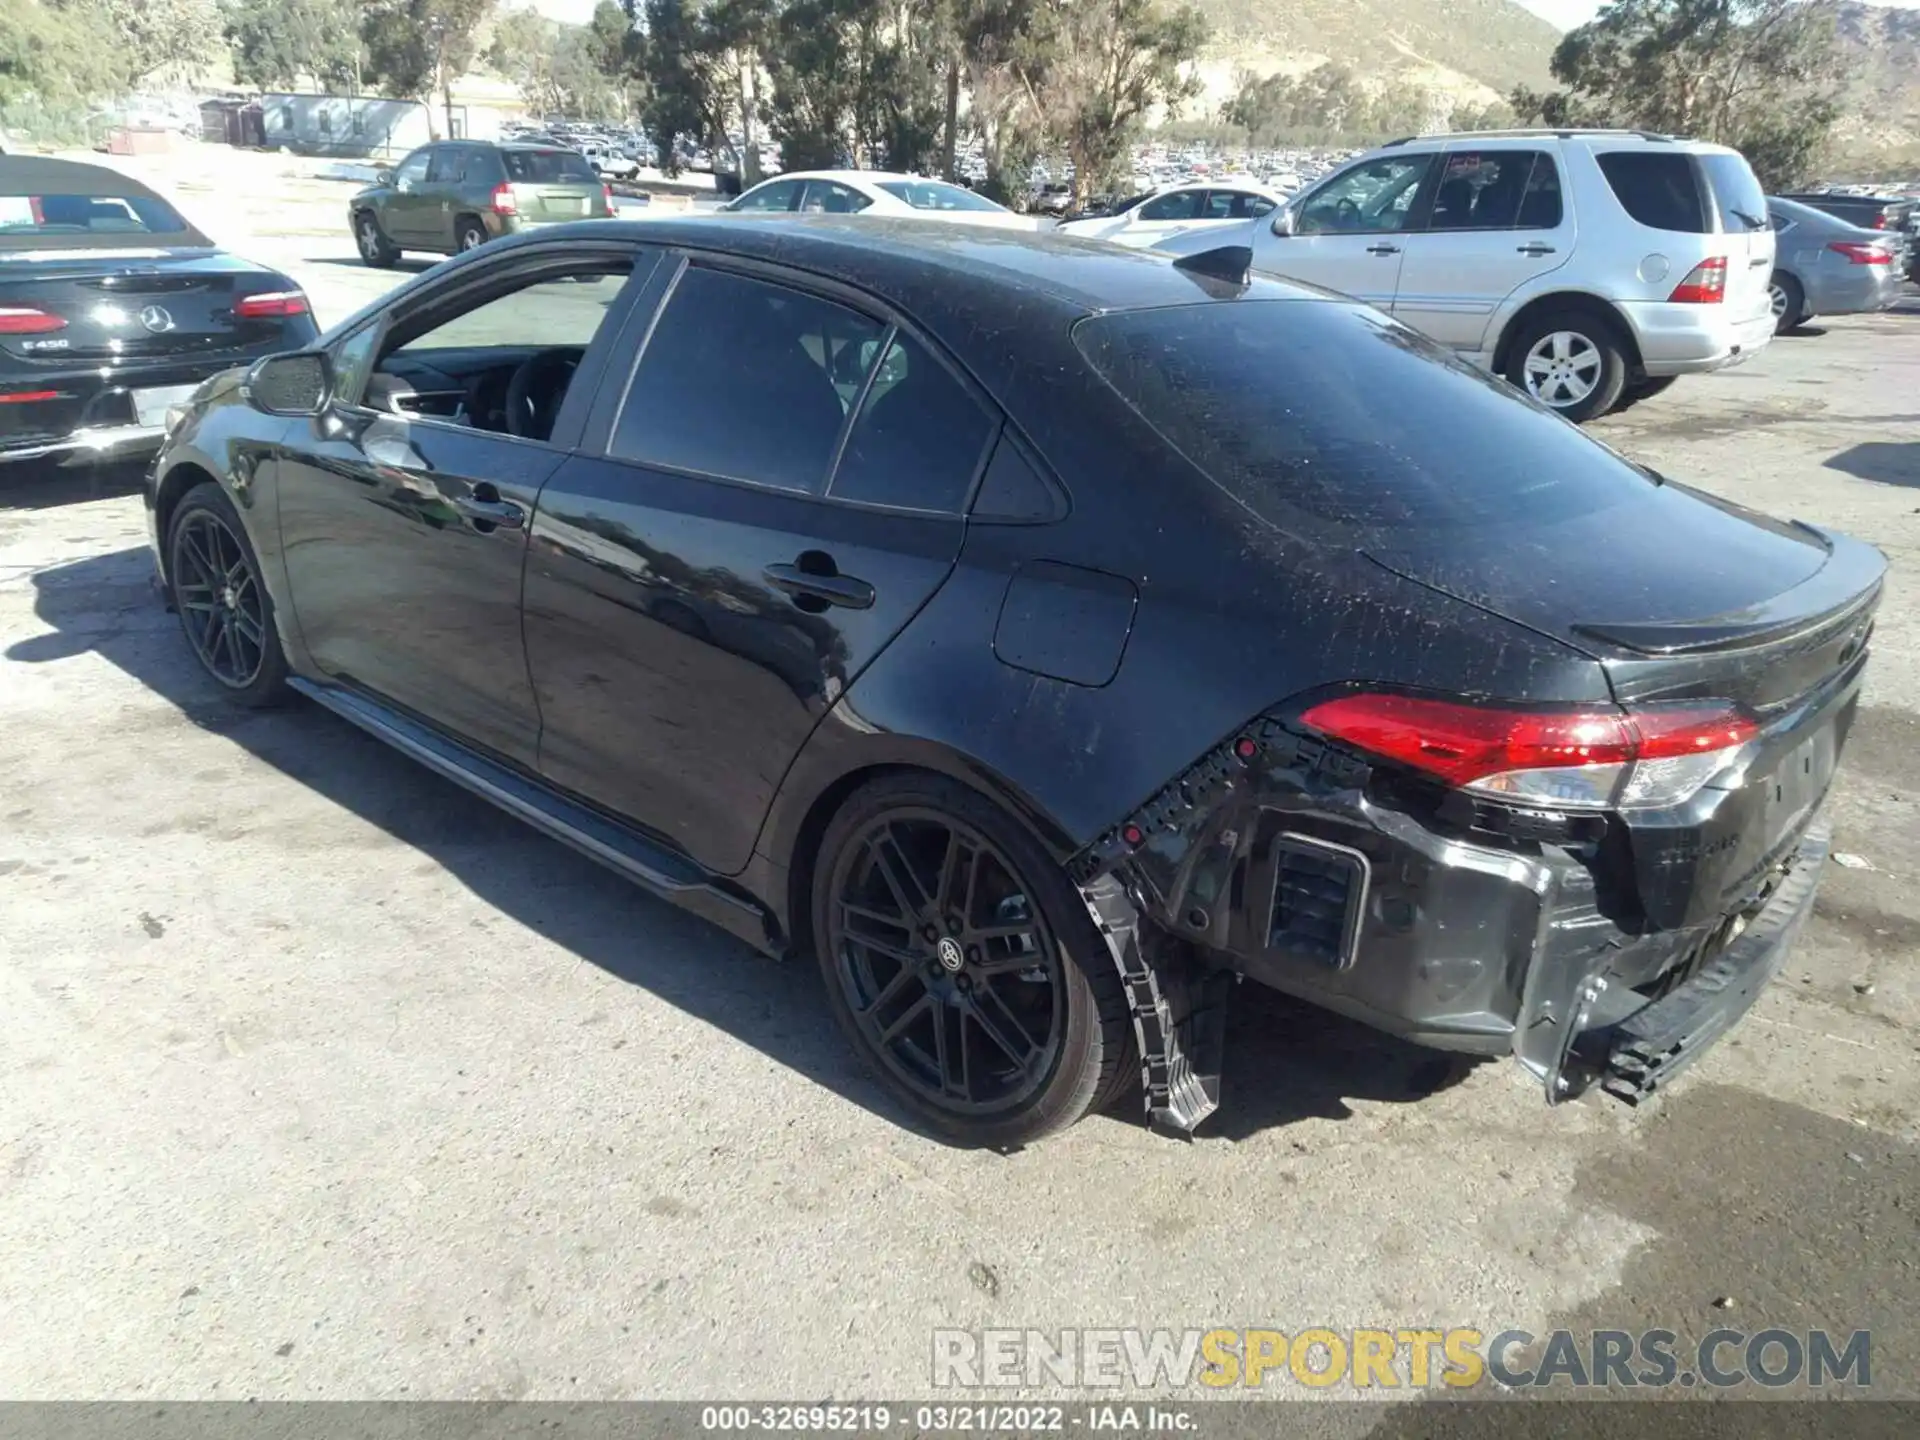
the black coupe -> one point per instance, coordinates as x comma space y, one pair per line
113, 308
1044, 636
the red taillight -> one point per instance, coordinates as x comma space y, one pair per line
503, 202
271, 305
1880, 221
26, 397
1860, 252
606, 194
1588, 759
25, 320
1706, 284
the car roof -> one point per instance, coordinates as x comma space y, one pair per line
854, 177
72, 177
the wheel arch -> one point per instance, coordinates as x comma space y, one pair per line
182, 477
817, 788
1576, 300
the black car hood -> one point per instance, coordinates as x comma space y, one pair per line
1674, 558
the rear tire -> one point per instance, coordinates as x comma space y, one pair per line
469, 234
1572, 361
374, 246
944, 931
1789, 303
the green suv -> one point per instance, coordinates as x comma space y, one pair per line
457, 194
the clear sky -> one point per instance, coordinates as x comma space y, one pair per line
1569, 13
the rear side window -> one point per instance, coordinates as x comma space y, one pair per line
747, 380
1660, 191
919, 437
1279, 403
1497, 190
549, 167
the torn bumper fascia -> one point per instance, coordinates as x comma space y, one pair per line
1461, 940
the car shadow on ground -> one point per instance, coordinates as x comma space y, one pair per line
1285, 1061
37, 485
1885, 462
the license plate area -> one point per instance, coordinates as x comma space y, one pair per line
1798, 784
150, 406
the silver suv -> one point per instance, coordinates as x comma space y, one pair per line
1589, 267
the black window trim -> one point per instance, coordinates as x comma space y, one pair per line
555, 255
599, 443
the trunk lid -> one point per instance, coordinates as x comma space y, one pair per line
1741, 206
1680, 595
551, 185
134, 305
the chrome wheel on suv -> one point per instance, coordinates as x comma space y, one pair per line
1563, 369
1571, 361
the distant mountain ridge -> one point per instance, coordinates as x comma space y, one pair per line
1475, 50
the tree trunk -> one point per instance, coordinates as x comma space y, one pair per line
949, 161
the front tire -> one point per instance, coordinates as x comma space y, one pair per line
223, 605
374, 246
963, 965
1572, 361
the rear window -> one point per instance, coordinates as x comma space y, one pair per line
1661, 191
1736, 192
538, 167
52, 214
933, 195
1335, 416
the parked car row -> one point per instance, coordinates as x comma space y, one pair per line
1589, 268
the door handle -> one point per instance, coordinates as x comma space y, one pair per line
822, 589
1383, 249
1536, 248
485, 507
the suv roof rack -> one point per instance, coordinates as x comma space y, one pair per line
1525, 132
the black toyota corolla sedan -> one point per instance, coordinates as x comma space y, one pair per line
1044, 636
113, 307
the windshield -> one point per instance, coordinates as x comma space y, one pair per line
1333, 413
52, 214
935, 195
548, 167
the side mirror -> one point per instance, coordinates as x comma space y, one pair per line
383, 177
1283, 221
297, 384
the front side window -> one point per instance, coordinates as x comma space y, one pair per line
830, 197
1370, 199
774, 195
1180, 205
747, 380
413, 169
918, 438
449, 165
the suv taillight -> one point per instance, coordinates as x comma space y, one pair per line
503, 202
1657, 755
1861, 253
1706, 284
606, 194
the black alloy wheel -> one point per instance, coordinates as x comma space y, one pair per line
940, 931
222, 604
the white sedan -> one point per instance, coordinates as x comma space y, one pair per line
874, 192
1199, 206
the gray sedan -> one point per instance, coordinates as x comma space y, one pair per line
1824, 266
